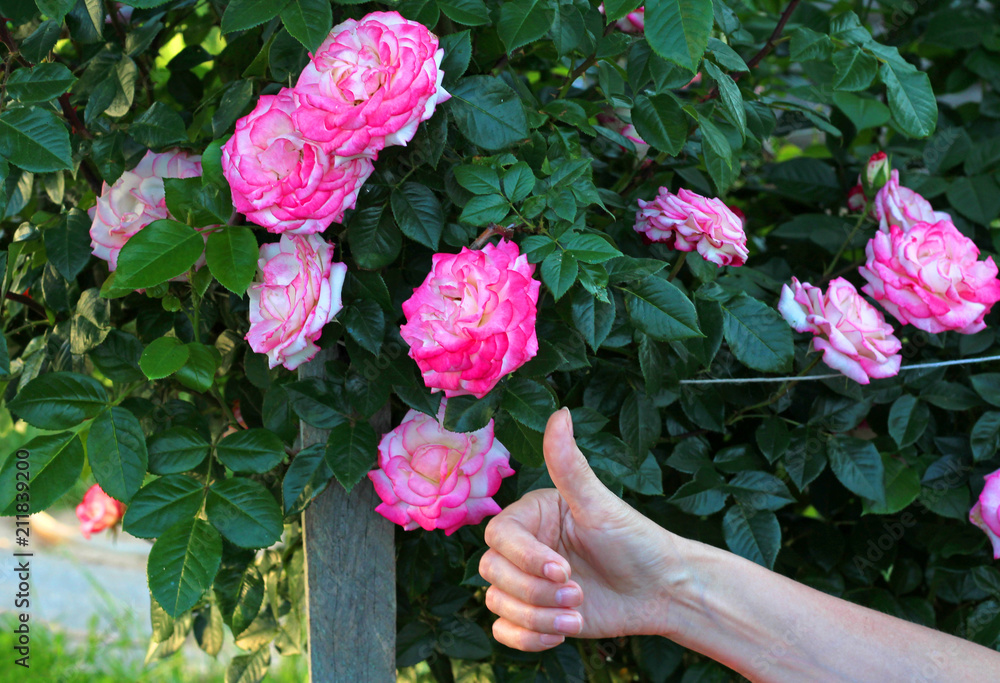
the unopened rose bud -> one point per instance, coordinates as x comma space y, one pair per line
856, 199
876, 173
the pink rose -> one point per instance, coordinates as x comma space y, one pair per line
898, 205
856, 200
985, 514
616, 122
135, 200
281, 179
633, 22
929, 277
687, 221
98, 511
370, 84
472, 321
298, 293
432, 478
853, 336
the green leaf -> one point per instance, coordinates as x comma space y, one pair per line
465, 639
162, 250
243, 14
657, 308
985, 438
661, 122
729, 94
418, 213
718, 155
234, 102
365, 322
244, 512
754, 535
40, 83
116, 448
251, 450
640, 423
518, 182
858, 466
616, 9
808, 45
976, 197
488, 112
678, 30
559, 271
37, 46
251, 668
176, 450
351, 451
318, 403
529, 402
592, 317
249, 597
591, 248
856, 69
198, 372
374, 238
902, 486
522, 22
864, 112
485, 209
911, 99
467, 12
757, 335
161, 504
59, 400
56, 9
35, 140
231, 254
159, 126
987, 385
306, 478
457, 55
163, 357
908, 419
54, 464
182, 564
309, 21
67, 243
470, 414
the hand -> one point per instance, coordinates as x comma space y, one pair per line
575, 560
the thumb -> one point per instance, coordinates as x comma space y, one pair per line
569, 469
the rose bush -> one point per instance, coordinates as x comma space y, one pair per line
479, 212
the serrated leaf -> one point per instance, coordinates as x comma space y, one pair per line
911, 99
251, 450
176, 450
754, 535
162, 250
529, 402
559, 271
232, 254
657, 308
182, 564
163, 503
661, 122
241, 15
351, 451
678, 30
54, 463
418, 213
523, 21
309, 21
488, 112
116, 448
35, 140
244, 512
858, 466
40, 83
757, 335
59, 400
163, 357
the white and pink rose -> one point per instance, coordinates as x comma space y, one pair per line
432, 478
852, 334
298, 292
985, 514
687, 222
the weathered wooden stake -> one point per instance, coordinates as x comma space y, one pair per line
350, 574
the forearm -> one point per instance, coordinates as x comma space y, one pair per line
771, 628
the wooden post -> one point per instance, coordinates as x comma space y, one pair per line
350, 574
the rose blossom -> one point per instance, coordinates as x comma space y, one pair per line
616, 122
284, 181
472, 320
370, 84
633, 22
686, 221
298, 292
852, 334
98, 511
430, 477
929, 277
135, 200
985, 514
898, 205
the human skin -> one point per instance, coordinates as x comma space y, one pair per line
578, 561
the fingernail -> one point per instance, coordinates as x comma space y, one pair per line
568, 597
570, 624
548, 640
569, 420
554, 572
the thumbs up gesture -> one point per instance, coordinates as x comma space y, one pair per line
575, 560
